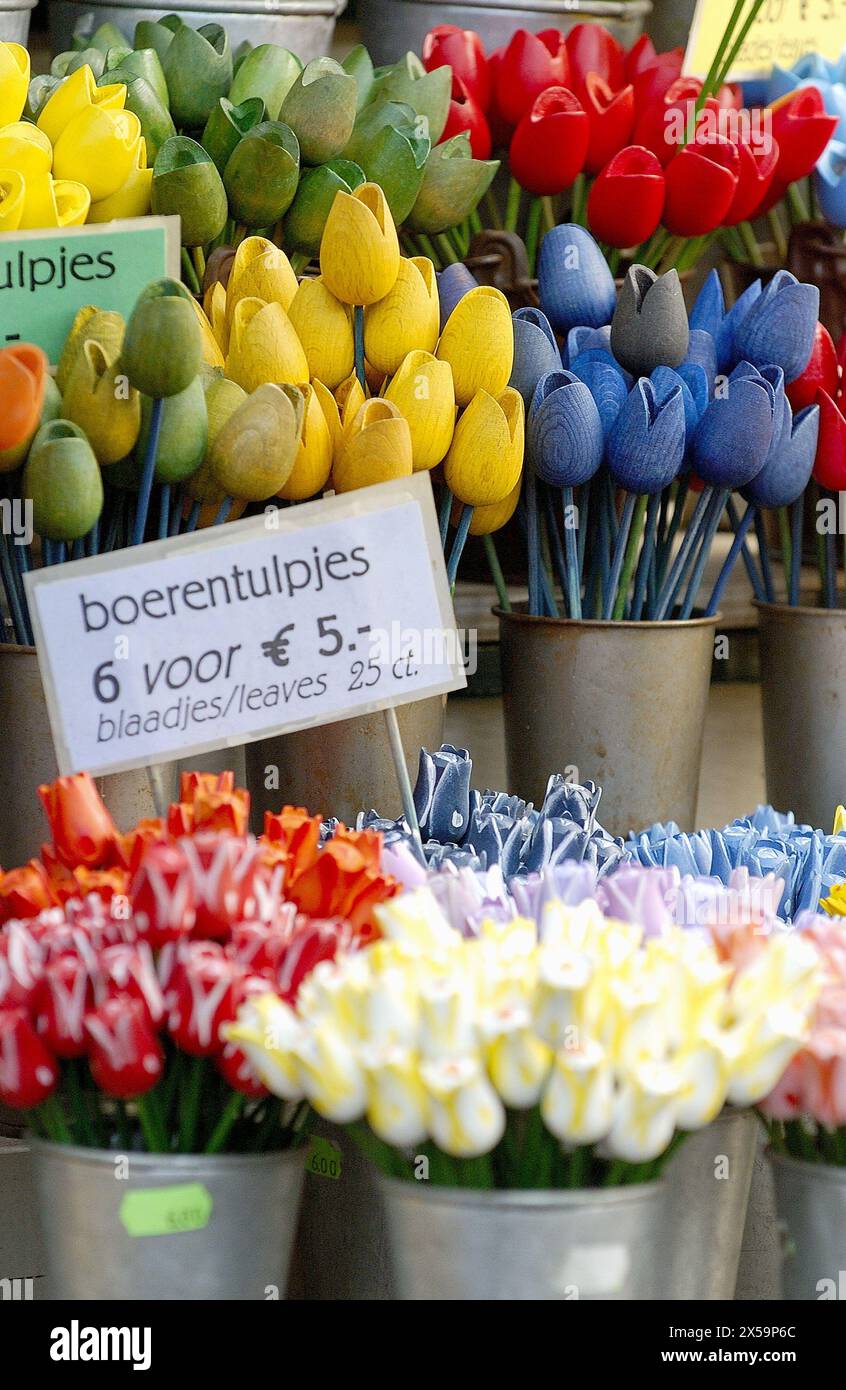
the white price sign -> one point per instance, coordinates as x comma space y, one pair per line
296, 618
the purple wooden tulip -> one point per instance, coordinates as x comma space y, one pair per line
647, 443
649, 328
780, 326
734, 435
788, 466
535, 351
442, 794
566, 440
575, 283
453, 284
606, 382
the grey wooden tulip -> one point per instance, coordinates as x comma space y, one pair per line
650, 328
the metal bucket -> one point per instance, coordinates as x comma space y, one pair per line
22, 1260
803, 691
759, 1274
14, 20
343, 768
622, 704
708, 1184
304, 26
242, 1253
391, 27
811, 1201
593, 1245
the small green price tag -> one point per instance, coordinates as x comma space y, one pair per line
323, 1158
166, 1211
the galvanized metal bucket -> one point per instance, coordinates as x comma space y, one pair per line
304, 26
391, 27
759, 1273
91, 1201
622, 704
803, 691
811, 1202
14, 20
22, 1261
343, 768
708, 1184
593, 1245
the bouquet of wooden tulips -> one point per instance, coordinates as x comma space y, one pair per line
122, 957
572, 1054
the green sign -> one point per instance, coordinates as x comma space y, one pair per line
323, 1158
46, 276
166, 1211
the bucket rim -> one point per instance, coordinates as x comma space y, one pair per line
538, 1199
787, 611
589, 9
516, 615
15, 648
180, 1165
305, 9
826, 1172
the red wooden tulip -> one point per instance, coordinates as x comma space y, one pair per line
28, 1073
758, 163
591, 48
701, 184
162, 896
611, 118
21, 966
466, 114
462, 50
550, 143
821, 373
802, 128
124, 1054
652, 81
530, 64
640, 56
201, 997
129, 971
65, 995
232, 1063
662, 124
830, 465
627, 200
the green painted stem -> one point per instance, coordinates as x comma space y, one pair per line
635, 536
786, 545
189, 272
223, 1128
496, 573
512, 209
533, 230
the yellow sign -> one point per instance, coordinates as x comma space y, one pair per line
784, 31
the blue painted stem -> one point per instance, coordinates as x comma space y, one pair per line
748, 558
78, 550
738, 545
584, 516
458, 544
575, 556
176, 515
533, 542
666, 548
148, 472
444, 516
555, 546
620, 544
647, 556
193, 518
7, 568
669, 588
764, 554
797, 512
223, 511
94, 538
164, 511
709, 530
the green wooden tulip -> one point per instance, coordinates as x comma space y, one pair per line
428, 93
41, 89
146, 63
63, 480
198, 69
66, 63
387, 144
187, 184
227, 125
262, 174
157, 34
359, 65
453, 184
268, 72
253, 455
321, 109
162, 349
104, 37
184, 433
156, 123
243, 51
115, 56
315, 196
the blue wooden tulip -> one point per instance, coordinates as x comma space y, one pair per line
830, 183
535, 352
788, 466
780, 325
646, 448
442, 794
734, 435
709, 308
650, 328
702, 352
575, 283
727, 350
566, 440
665, 382
453, 284
697, 384
605, 381
583, 339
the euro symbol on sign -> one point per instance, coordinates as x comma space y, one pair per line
277, 648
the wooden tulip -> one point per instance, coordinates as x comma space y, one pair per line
423, 392
376, 448
97, 399
408, 318
478, 343
324, 327
253, 455
313, 464
261, 271
103, 326
63, 480
263, 346
486, 456
359, 255
331, 415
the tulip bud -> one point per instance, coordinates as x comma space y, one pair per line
566, 439
215, 309
331, 414
313, 202
146, 63
186, 184
132, 200
427, 93
453, 283
518, 1061
324, 327
104, 37
143, 101
408, 318
183, 434
23, 373
486, 455
156, 34
486, 520
392, 149
198, 70
359, 255
268, 72
260, 271
223, 398
453, 185
227, 125
14, 81
465, 1114
350, 398
71, 97
359, 64
423, 392
103, 326
40, 90
314, 456
262, 174
98, 148
320, 108
578, 1104
650, 325
254, 453
50, 202
12, 194
93, 399
263, 346
63, 480
212, 355
375, 449
162, 349
478, 343
25, 149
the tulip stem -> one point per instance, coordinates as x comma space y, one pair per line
738, 545
646, 554
148, 471
723, 72
797, 205
778, 233
750, 244
578, 199
496, 574
494, 216
175, 516
634, 540
708, 86
164, 511
669, 588
764, 556
223, 1128
461, 534
556, 549
549, 217
446, 248
189, 273
12, 597
193, 518
512, 209
189, 1103
198, 256
358, 327
444, 516
428, 248
299, 262
786, 547
758, 588
796, 519
533, 230
574, 562
223, 511
716, 506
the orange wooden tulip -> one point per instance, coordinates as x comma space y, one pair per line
82, 829
23, 374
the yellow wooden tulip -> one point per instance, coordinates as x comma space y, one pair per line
223, 397
478, 343
133, 198
103, 326
486, 520
263, 346
314, 457
12, 197
350, 397
214, 304
486, 457
331, 414
14, 81
376, 448
73, 95
50, 202
407, 318
324, 327
261, 271
25, 148
359, 253
423, 393
212, 355
98, 148
98, 400
253, 455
